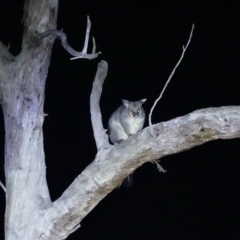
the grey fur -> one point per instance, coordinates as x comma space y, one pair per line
126, 120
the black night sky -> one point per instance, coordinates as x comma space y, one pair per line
198, 197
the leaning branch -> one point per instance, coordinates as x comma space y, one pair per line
63, 37
2, 186
170, 77
120, 160
100, 135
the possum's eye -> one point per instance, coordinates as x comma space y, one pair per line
132, 111
138, 111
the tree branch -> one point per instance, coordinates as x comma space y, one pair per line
170, 77
2, 186
118, 161
63, 37
100, 135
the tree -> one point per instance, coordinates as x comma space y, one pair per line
22, 94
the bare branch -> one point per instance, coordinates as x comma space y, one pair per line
100, 135
159, 167
101, 177
3, 187
170, 77
94, 45
4, 52
85, 47
63, 37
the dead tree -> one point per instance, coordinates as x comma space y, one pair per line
22, 86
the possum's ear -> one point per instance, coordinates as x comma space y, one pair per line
143, 100
125, 102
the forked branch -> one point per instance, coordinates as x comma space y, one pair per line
63, 37
170, 77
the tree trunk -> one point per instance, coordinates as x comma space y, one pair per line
22, 93
24, 156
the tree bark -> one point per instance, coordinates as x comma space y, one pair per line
22, 92
30, 213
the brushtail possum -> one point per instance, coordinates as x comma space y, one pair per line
126, 120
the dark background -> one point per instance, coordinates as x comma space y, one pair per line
198, 197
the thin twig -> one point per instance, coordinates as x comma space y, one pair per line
63, 37
159, 167
170, 77
85, 47
3, 187
94, 45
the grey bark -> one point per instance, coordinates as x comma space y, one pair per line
22, 82
22, 92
